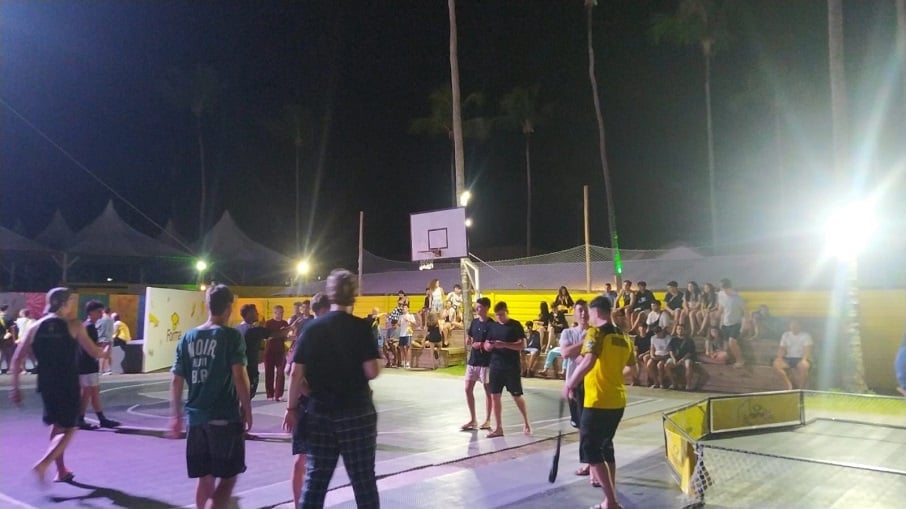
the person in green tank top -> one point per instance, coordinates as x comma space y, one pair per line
211, 359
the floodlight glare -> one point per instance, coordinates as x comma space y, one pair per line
464, 198
303, 267
849, 229
203, 287
201, 265
468, 222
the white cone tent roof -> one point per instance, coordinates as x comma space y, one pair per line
226, 242
12, 241
57, 235
109, 235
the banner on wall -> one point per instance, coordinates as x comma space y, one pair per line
168, 315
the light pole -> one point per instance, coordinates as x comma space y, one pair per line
201, 266
848, 230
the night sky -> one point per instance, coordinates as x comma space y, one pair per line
88, 74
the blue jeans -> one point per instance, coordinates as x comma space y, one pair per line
552, 354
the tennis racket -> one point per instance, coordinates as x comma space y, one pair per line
552, 476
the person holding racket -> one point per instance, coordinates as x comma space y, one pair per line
605, 352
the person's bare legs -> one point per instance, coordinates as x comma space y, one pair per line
498, 424
204, 490
606, 478
488, 405
736, 352
59, 440
665, 374
298, 478
220, 499
520, 404
802, 368
690, 374
83, 402
470, 402
653, 379
781, 367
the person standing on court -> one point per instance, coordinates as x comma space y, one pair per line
478, 364
211, 360
505, 343
333, 364
605, 352
253, 334
106, 328
89, 370
275, 355
56, 341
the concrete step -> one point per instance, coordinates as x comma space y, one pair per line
760, 352
422, 357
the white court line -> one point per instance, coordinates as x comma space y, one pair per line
131, 410
12, 503
134, 385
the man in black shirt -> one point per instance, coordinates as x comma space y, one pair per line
479, 360
506, 341
682, 359
335, 359
89, 369
642, 305
254, 335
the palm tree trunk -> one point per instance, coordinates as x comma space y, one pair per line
602, 149
298, 197
458, 153
528, 194
453, 172
204, 184
712, 194
839, 117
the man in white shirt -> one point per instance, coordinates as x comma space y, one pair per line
657, 317
657, 360
794, 356
455, 297
732, 310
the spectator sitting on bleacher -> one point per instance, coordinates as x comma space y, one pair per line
692, 307
563, 300
622, 313
709, 309
794, 356
558, 321
642, 342
610, 294
643, 299
766, 325
543, 324
657, 357
673, 301
532, 348
899, 366
715, 348
682, 360
451, 320
657, 317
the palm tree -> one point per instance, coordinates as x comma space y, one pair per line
197, 92
703, 23
294, 124
521, 111
440, 122
602, 145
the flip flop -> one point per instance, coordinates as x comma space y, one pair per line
485, 426
468, 427
494, 434
66, 478
582, 472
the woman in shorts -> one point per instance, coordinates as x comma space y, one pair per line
433, 338
715, 348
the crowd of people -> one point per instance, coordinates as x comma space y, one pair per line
333, 355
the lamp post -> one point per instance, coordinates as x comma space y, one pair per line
848, 230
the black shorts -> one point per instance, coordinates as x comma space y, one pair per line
509, 378
731, 331
596, 430
300, 433
61, 407
215, 449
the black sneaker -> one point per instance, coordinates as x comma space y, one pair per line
109, 423
85, 425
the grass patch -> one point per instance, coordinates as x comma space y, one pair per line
457, 370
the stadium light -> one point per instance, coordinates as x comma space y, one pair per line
468, 222
849, 229
201, 265
203, 287
464, 198
303, 267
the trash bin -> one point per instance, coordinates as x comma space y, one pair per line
129, 358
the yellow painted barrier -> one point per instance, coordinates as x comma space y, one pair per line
734, 413
681, 457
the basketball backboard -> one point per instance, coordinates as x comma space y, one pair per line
439, 234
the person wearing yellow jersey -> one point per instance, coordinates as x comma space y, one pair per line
121, 331
605, 352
